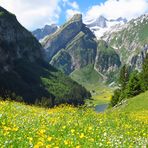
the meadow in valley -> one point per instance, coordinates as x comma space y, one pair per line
23, 126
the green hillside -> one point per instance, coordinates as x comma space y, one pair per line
86, 76
92, 81
66, 126
138, 103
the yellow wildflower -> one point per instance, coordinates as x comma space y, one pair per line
82, 135
49, 138
90, 128
72, 131
66, 142
64, 127
38, 145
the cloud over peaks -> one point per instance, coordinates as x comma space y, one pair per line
113, 9
33, 13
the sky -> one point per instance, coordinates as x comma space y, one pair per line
36, 13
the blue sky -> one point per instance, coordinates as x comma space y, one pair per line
36, 13
84, 7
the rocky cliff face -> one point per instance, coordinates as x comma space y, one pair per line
23, 71
52, 44
43, 32
107, 60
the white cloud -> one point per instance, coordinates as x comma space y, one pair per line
34, 13
71, 12
113, 9
74, 5
74, 8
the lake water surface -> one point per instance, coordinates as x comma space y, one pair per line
101, 108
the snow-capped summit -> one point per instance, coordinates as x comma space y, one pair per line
100, 22
100, 25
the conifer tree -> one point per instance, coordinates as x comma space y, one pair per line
144, 74
124, 76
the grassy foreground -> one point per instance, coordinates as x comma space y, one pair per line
23, 126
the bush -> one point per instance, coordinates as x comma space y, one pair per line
44, 102
116, 97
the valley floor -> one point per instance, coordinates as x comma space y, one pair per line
65, 126
101, 94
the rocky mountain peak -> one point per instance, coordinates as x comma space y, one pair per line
65, 33
76, 17
99, 22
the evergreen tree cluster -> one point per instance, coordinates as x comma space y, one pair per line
131, 83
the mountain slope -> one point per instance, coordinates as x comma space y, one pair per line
130, 41
23, 72
86, 76
62, 37
107, 61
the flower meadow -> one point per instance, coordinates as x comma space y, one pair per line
23, 126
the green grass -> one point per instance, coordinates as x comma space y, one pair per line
69, 127
143, 32
138, 103
105, 48
86, 76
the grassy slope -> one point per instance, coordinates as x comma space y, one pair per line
138, 103
92, 81
26, 126
87, 76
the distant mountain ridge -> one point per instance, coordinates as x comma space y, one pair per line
130, 41
46, 30
100, 25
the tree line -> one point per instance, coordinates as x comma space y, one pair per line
131, 83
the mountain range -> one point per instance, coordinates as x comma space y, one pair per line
100, 25
105, 44
33, 71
